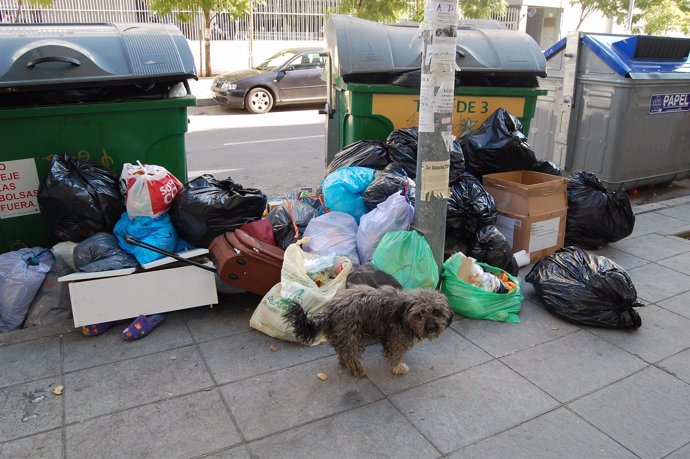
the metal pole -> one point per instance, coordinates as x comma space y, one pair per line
250, 32
436, 100
631, 7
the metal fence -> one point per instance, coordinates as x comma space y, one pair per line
273, 19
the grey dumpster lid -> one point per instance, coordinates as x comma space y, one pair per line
358, 46
61, 55
638, 57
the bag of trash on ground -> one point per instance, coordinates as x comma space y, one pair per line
52, 301
407, 257
78, 199
158, 232
306, 279
206, 208
21, 274
368, 274
363, 153
394, 214
343, 190
101, 252
402, 147
470, 208
490, 246
596, 216
499, 145
149, 190
388, 181
547, 167
586, 289
332, 233
480, 291
289, 221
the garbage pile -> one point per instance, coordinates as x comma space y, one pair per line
303, 246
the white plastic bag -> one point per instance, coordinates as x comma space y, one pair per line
21, 275
393, 214
298, 286
149, 189
333, 232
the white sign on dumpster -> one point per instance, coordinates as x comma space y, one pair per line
668, 103
18, 188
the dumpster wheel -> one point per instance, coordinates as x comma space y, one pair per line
259, 100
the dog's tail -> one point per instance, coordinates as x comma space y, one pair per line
306, 328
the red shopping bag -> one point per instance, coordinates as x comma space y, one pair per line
149, 189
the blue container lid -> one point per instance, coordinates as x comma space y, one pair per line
638, 57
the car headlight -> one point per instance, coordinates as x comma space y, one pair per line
228, 86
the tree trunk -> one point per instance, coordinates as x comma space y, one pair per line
207, 44
19, 11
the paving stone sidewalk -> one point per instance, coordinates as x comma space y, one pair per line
205, 384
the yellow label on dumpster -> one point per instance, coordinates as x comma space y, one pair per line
469, 112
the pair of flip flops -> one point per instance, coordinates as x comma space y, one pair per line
141, 327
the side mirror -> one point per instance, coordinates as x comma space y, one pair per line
280, 75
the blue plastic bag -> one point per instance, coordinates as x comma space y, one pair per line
21, 275
343, 190
157, 231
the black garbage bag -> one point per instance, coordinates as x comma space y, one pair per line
79, 199
548, 167
289, 220
499, 145
586, 289
402, 147
370, 275
101, 252
389, 181
469, 208
596, 216
206, 208
364, 153
490, 246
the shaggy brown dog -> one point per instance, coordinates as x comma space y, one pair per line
398, 318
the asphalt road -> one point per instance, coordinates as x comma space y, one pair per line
284, 150
277, 152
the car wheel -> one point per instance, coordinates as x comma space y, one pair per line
259, 100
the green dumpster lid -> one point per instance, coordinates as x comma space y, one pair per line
357, 46
40, 56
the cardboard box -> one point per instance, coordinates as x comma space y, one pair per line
527, 193
538, 235
532, 210
160, 286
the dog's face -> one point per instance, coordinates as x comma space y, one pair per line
428, 314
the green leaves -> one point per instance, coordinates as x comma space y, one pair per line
653, 17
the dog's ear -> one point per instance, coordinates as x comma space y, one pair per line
413, 312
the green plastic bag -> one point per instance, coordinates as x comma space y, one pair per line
477, 303
407, 257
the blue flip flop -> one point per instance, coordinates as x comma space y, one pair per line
142, 326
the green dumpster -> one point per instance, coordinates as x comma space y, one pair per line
373, 77
108, 109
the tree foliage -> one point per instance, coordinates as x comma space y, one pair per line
234, 8
653, 17
21, 3
375, 10
395, 10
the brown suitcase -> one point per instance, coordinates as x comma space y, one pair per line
245, 262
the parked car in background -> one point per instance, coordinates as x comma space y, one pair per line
292, 76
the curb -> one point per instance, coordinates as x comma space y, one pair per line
205, 102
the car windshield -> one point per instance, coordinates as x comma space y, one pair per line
276, 60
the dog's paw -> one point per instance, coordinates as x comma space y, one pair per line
400, 369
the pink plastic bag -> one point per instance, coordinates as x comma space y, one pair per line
149, 190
